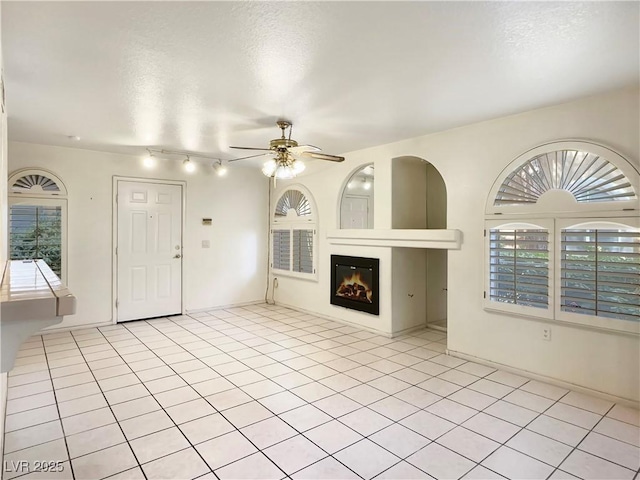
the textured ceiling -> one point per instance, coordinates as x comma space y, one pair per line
202, 76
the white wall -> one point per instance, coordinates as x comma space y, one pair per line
469, 159
409, 193
409, 288
436, 259
232, 271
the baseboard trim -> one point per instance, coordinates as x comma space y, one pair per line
75, 327
355, 325
221, 307
550, 380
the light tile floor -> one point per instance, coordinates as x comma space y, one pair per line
267, 392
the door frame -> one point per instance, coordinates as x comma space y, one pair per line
114, 237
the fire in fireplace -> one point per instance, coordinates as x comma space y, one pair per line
354, 283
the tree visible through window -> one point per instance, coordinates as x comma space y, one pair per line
35, 231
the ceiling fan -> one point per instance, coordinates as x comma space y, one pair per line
286, 153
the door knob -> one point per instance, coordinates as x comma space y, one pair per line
177, 255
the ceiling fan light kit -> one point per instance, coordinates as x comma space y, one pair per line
284, 151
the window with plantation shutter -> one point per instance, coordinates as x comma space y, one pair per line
562, 230
37, 218
519, 267
600, 273
303, 251
293, 227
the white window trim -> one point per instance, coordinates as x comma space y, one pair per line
598, 322
293, 222
520, 310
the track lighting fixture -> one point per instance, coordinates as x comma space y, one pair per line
219, 168
190, 166
149, 161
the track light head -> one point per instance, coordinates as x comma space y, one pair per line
219, 168
189, 166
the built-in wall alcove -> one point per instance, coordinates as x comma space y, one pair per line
419, 201
357, 199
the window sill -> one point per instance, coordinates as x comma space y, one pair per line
313, 277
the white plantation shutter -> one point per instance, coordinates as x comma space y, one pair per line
519, 267
294, 226
302, 251
281, 249
600, 273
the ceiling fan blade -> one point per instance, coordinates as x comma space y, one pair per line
303, 148
252, 148
323, 156
250, 156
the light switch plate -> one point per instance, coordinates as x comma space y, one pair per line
206, 244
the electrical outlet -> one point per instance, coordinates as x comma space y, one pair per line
206, 244
546, 333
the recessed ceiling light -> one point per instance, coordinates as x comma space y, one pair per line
73, 137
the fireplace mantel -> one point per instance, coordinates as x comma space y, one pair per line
409, 238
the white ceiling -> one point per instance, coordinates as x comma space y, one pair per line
205, 75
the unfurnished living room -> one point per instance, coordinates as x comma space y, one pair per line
320, 240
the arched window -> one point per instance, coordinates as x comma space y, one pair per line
563, 237
38, 218
293, 234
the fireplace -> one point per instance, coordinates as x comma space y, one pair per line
354, 283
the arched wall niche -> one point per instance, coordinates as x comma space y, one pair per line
357, 199
419, 201
419, 194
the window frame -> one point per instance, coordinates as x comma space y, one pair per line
594, 321
40, 201
294, 222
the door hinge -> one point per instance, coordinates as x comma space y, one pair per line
116, 250
485, 232
116, 198
117, 303
484, 294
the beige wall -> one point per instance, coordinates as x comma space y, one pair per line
232, 271
470, 159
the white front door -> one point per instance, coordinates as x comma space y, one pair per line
355, 212
149, 250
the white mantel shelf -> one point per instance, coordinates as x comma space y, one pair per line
428, 238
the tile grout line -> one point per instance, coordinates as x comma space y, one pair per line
114, 416
237, 429
229, 353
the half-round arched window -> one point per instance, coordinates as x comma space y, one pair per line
293, 234
33, 182
565, 176
293, 202
38, 218
562, 236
